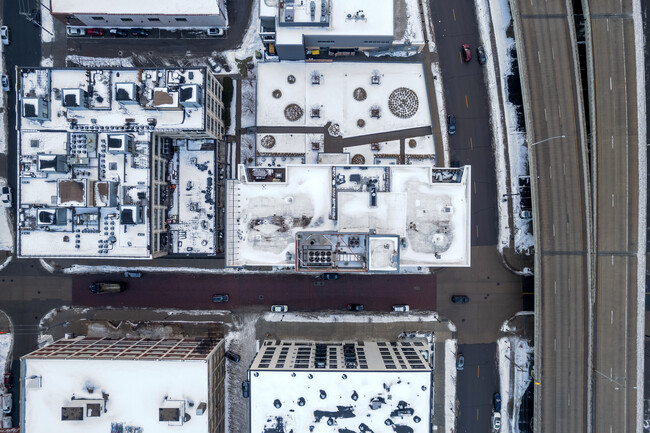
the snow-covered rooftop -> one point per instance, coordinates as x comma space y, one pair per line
321, 400
357, 98
91, 394
141, 7
427, 208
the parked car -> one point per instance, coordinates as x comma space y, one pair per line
220, 298
132, 274
4, 35
9, 380
75, 31
214, 65
6, 402
460, 362
466, 53
6, 197
101, 288
279, 308
400, 308
451, 124
526, 214
246, 388
496, 421
232, 356
215, 32
95, 32
496, 399
142, 33
480, 55
6, 422
459, 299
118, 33
330, 276
5, 82
355, 307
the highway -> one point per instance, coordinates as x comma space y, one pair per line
614, 123
555, 124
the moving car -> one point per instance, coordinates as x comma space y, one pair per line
132, 274
140, 33
496, 421
451, 124
75, 31
330, 276
466, 53
118, 33
5, 197
220, 298
279, 308
480, 55
4, 35
9, 380
215, 32
101, 288
460, 362
246, 388
496, 400
355, 307
95, 32
232, 356
459, 299
400, 308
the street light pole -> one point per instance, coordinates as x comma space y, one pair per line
547, 139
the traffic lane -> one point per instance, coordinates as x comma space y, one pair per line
477, 383
300, 292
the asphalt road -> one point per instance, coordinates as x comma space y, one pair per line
476, 383
466, 98
616, 183
546, 45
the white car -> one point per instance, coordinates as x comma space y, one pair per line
496, 421
5, 82
75, 31
401, 308
214, 65
5, 197
215, 32
6, 403
4, 34
279, 309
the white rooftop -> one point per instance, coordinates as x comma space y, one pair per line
135, 391
343, 94
428, 208
336, 401
128, 7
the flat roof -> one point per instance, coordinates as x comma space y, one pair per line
139, 7
335, 401
428, 208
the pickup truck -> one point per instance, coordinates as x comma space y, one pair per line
101, 288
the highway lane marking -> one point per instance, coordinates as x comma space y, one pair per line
550, 171
539, 57
555, 344
476, 231
569, 341
611, 320
559, 111
474, 187
477, 414
567, 226
460, 56
553, 229
610, 83
466, 102
612, 141
555, 283
553, 52
478, 371
612, 200
545, 118
453, 11
471, 143
564, 168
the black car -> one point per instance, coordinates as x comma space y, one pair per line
246, 388
118, 33
451, 124
497, 402
459, 299
232, 356
355, 307
480, 55
140, 33
330, 276
220, 298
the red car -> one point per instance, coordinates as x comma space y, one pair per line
95, 32
467, 53
9, 380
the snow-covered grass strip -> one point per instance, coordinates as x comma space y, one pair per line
451, 348
47, 24
504, 357
376, 317
426, 8
99, 62
514, 357
639, 44
233, 110
442, 112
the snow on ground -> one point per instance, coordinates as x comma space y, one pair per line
451, 348
377, 317
6, 230
47, 62
6, 345
99, 62
515, 359
233, 109
47, 24
442, 110
248, 102
429, 25
250, 43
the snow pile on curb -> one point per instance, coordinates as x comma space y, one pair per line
451, 347
6, 344
47, 25
514, 358
99, 62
